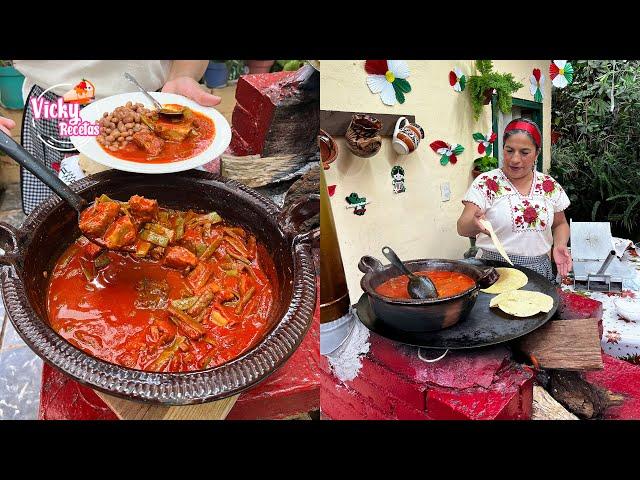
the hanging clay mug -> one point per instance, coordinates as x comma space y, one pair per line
362, 135
328, 149
406, 136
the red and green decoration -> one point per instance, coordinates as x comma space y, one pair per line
448, 152
457, 79
331, 189
561, 73
485, 146
389, 79
537, 85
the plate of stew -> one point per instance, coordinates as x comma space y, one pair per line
134, 137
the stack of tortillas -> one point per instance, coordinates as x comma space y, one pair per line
511, 300
522, 303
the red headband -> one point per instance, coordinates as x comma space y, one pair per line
527, 127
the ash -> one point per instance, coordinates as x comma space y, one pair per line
345, 360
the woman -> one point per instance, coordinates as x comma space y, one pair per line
41, 138
525, 207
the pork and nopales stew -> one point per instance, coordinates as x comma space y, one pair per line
182, 291
135, 133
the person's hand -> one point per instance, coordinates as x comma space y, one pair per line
188, 87
6, 124
479, 215
562, 257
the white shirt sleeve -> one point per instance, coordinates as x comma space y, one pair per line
560, 200
476, 196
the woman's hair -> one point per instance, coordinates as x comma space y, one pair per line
508, 132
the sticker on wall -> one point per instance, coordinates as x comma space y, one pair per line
388, 78
357, 203
561, 73
449, 153
485, 146
537, 85
331, 189
457, 79
397, 179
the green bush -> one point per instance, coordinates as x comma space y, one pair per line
597, 157
503, 83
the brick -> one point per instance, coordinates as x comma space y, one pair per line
459, 369
407, 412
398, 386
341, 402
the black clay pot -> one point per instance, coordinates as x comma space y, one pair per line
412, 315
32, 252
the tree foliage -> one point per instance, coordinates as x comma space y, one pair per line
597, 157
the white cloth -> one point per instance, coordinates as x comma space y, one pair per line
521, 222
105, 75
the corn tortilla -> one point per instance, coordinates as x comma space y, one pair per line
510, 279
522, 303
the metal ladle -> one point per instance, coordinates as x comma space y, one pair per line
172, 111
419, 287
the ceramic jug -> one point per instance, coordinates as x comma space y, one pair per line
406, 136
328, 149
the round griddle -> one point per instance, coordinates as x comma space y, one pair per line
483, 326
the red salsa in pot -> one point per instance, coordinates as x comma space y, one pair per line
448, 284
194, 292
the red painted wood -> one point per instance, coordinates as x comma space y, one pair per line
622, 378
574, 306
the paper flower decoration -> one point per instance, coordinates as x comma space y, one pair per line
537, 84
561, 73
388, 78
331, 189
457, 80
484, 142
448, 152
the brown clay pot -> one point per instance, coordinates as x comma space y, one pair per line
488, 94
362, 135
328, 149
33, 250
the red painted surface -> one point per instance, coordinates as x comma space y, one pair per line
256, 99
292, 390
479, 384
574, 306
622, 378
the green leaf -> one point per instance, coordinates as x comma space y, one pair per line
458, 150
399, 94
444, 160
402, 84
463, 82
489, 150
538, 96
478, 137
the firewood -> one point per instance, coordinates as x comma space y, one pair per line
564, 345
579, 396
255, 171
545, 407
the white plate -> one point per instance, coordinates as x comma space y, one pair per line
93, 112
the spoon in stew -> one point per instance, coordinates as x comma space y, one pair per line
419, 287
169, 111
28, 161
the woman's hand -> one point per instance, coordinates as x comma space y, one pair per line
6, 124
469, 222
190, 88
479, 215
562, 257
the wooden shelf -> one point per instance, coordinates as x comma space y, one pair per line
335, 123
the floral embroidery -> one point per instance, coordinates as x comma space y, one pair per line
546, 187
613, 336
492, 187
529, 216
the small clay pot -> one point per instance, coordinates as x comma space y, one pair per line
362, 135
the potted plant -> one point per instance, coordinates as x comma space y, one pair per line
235, 68
482, 87
483, 164
11, 81
217, 74
260, 66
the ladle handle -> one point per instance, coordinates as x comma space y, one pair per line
51, 180
393, 258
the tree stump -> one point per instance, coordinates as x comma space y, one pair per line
579, 396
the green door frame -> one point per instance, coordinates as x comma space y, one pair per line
518, 102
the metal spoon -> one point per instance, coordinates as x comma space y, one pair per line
163, 110
419, 287
28, 161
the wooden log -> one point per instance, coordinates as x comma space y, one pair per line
579, 396
130, 410
255, 171
545, 407
564, 344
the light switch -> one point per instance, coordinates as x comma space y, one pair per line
445, 192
